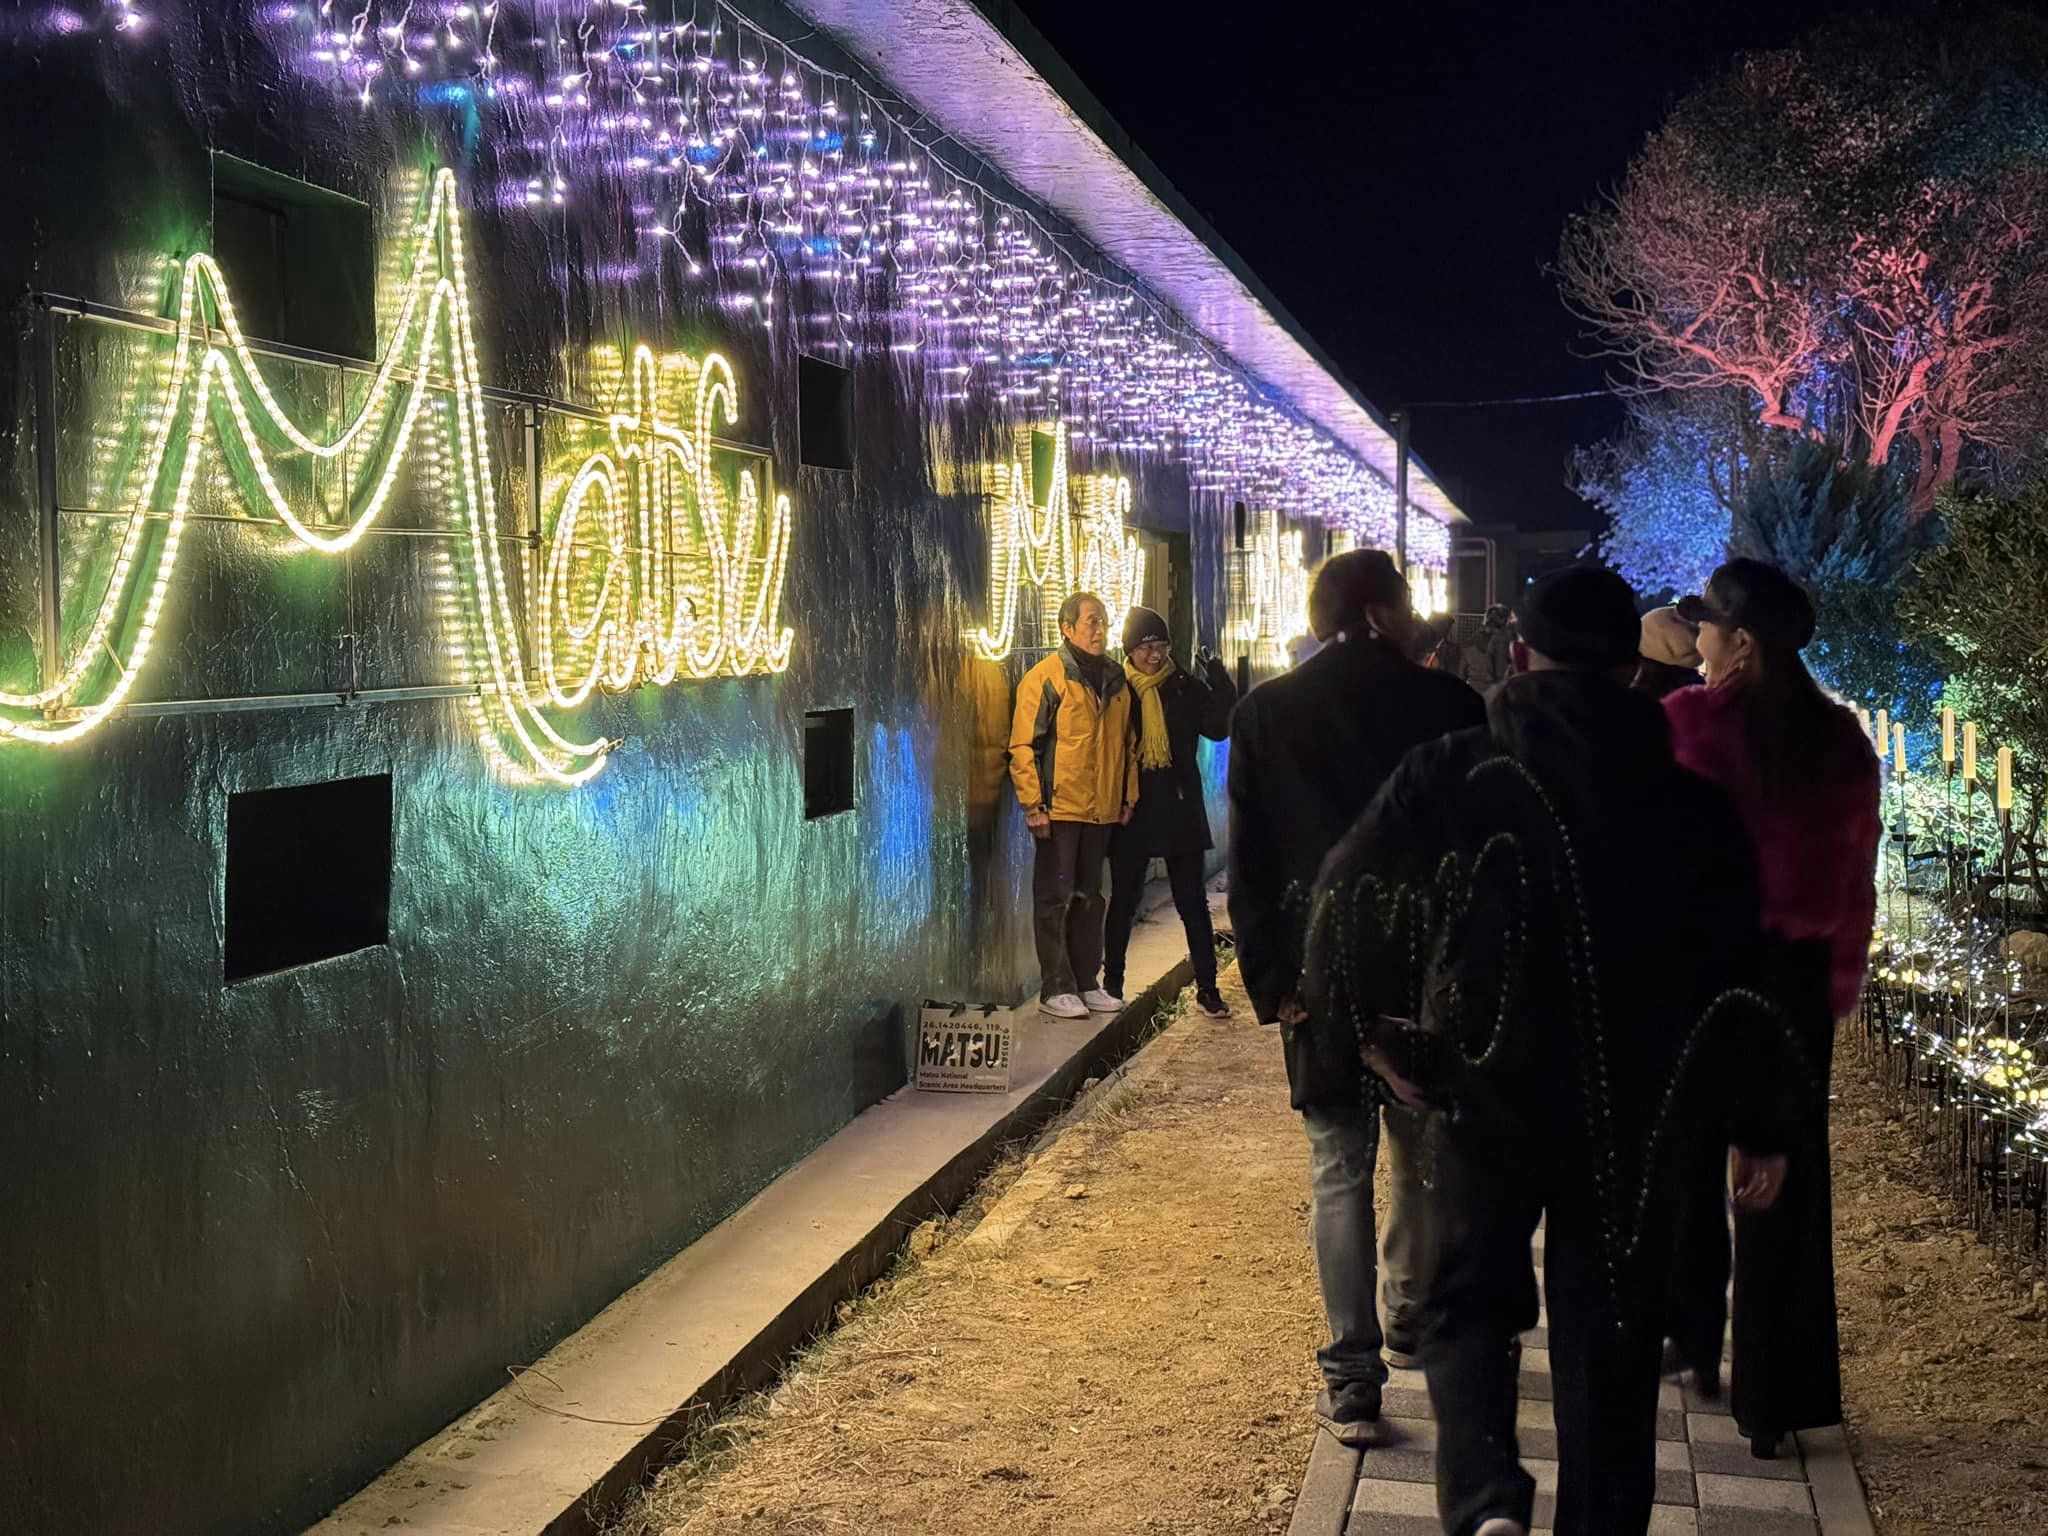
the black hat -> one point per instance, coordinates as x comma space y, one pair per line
1759, 597
1581, 616
1141, 625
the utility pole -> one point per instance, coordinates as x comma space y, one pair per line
1400, 420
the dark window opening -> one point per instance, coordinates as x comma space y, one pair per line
824, 414
299, 259
309, 874
828, 762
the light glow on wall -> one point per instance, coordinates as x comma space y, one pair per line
1078, 542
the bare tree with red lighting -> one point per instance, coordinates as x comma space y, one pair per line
1850, 233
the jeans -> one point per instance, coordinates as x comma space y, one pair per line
1343, 1145
1066, 902
1127, 865
1604, 1369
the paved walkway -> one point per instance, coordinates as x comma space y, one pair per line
1707, 1481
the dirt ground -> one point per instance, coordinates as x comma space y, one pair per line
1944, 1344
1124, 1343
1118, 1336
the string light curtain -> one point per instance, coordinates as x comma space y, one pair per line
749, 166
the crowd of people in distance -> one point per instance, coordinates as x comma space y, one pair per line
1436, 864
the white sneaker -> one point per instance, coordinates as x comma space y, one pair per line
1099, 1001
1064, 1005
1499, 1527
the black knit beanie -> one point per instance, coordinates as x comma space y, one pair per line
1141, 625
1582, 616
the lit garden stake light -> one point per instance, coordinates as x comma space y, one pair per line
1905, 840
1948, 785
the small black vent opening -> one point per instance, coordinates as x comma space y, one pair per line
828, 762
309, 874
300, 260
824, 414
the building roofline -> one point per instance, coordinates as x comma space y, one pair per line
956, 60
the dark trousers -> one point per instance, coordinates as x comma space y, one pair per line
1604, 1376
1787, 1372
1066, 902
1127, 864
1697, 1323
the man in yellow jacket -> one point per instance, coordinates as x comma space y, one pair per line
1075, 766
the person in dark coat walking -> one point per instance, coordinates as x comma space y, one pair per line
1171, 822
1481, 930
1308, 748
1807, 783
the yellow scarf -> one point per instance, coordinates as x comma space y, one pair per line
1154, 749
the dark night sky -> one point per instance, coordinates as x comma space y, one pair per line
1398, 175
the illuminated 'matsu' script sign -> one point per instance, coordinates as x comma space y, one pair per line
646, 577
1078, 543
650, 573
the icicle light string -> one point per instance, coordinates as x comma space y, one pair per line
741, 154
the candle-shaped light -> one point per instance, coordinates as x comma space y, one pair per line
1863, 718
1948, 737
2004, 801
1884, 733
1899, 750
1969, 751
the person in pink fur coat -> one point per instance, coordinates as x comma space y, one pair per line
1806, 783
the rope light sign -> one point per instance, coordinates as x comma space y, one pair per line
645, 578
1269, 600
1076, 543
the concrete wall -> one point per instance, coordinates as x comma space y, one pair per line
261, 1238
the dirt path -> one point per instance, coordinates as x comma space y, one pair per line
1125, 1343
1944, 1345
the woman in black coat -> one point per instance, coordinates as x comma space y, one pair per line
1171, 821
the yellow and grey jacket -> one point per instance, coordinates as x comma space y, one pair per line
1070, 751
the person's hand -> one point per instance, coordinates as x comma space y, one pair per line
1756, 1181
1382, 1066
1125, 819
1039, 823
1291, 1012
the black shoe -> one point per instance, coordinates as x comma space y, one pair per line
1765, 1447
1208, 1000
1352, 1415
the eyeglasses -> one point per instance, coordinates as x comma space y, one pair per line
1152, 648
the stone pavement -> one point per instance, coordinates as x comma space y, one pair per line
1707, 1481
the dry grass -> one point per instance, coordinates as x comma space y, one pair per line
1944, 1342
1117, 1335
